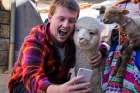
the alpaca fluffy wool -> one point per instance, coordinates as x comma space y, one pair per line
87, 40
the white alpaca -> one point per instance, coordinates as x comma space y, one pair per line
87, 40
131, 26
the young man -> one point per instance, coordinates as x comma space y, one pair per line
48, 53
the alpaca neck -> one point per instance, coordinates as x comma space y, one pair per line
130, 26
88, 52
124, 21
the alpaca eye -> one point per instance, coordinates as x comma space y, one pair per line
112, 13
77, 30
91, 33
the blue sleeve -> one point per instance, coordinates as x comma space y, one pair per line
137, 59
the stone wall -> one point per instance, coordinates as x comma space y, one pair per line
4, 35
26, 18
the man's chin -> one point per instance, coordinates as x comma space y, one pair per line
61, 40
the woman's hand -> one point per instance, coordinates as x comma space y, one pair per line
70, 87
96, 59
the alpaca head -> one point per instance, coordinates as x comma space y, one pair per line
113, 15
87, 33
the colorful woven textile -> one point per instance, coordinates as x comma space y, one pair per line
131, 81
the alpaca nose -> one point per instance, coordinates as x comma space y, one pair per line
81, 38
105, 20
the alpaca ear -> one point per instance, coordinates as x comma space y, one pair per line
124, 12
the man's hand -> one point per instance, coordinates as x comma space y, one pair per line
96, 59
70, 87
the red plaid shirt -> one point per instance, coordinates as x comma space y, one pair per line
38, 64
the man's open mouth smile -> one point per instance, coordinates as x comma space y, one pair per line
62, 32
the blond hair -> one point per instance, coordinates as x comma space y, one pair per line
70, 4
